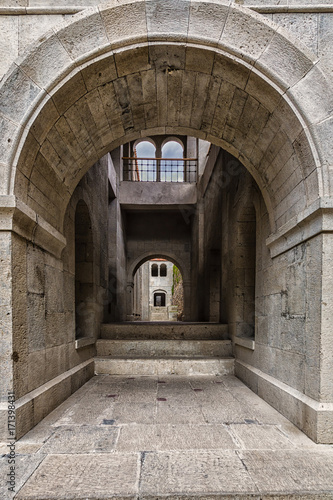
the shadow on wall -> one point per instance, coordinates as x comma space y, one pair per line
84, 273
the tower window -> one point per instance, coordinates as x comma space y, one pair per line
154, 270
163, 270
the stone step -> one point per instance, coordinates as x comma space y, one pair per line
156, 348
162, 366
164, 330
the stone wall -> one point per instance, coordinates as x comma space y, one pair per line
117, 280
43, 308
22, 22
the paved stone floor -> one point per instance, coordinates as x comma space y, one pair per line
144, 437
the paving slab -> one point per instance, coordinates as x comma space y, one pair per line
84, 476
175, 437
170, 437
125, 413
253, 436
194, 473
290, 471
83, 439
25, 465
176, 414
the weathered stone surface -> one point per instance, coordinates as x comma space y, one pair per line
25, 465
318, 106
119, 22
293, 64
164, 366
246, 37
163, 348
207, 20
43, 65
301, 25
85, 35
10, 46
191, 472
121, 483
167, 18
72, 440
31, 28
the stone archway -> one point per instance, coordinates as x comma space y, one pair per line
116, 73
184, 268
71, 105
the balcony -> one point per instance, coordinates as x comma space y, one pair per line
160, 169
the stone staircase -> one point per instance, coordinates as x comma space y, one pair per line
164, 348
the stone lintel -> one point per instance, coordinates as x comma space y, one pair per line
314, 418
17, 217
316, 219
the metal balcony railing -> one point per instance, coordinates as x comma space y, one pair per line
160, 169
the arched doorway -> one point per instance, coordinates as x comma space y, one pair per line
158, 281
74, 102
158, 291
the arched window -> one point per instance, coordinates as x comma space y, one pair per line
145, 163
163, 270
154, 270
159, 299
172, 164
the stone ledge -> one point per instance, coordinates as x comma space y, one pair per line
245, 342
314, 220
37, 404
16, 216
314, 418
79, 343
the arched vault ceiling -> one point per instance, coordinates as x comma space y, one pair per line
130, 69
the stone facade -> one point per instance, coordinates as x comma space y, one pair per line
253, 238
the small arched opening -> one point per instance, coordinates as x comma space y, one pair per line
154, 270
163, 271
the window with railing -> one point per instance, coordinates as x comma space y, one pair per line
145, 166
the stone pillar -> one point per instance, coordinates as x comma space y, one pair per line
145, 291
6, 329
187, 300
158, 154
6, 314
129, 300
326, 345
